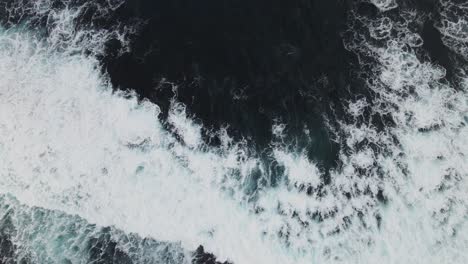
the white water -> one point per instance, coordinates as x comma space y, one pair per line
385, 5
68, 143
44, 236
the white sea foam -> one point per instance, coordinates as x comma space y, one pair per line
385, 5
453, 25
44, 236
68, 143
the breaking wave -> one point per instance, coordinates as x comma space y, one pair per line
77, 156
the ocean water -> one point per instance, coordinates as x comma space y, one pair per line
346, 147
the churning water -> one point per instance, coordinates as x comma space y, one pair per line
91, 174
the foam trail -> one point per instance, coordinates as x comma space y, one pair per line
453, 26
417, 166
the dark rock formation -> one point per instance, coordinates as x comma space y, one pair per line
202, 257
